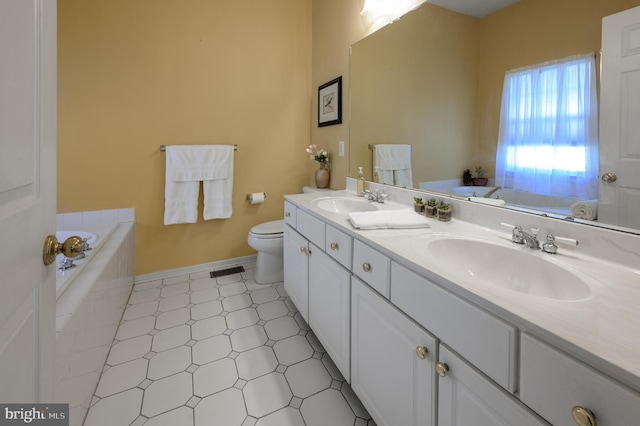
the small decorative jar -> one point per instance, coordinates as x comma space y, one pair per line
444, 212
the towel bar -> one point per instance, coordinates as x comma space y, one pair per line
164, 148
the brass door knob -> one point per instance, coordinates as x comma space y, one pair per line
334, 246
442, 369
366, 267
609, 177
422, 352
583, 417
72, 247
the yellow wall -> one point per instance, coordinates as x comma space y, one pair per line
134, 75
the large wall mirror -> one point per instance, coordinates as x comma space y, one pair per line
434, 79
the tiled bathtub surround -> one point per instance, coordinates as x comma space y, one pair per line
192, 350
88, 314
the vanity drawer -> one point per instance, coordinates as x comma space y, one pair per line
552, 383
484, 340
290, 214
372, 267
338, 245
310, 227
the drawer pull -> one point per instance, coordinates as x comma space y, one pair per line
334, 246
442, 369
422, 352
305, 251
583, 417
287, 214
366, 267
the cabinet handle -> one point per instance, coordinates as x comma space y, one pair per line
334, 246
287, 214
442, 369
422, 352
366, 267
583, 417
303, 249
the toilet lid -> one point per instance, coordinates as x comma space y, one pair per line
269, 228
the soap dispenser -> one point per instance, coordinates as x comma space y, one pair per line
360, 182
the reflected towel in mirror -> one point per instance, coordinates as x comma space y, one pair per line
587, 209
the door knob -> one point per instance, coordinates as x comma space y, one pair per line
583, 417
72, 247
609, 177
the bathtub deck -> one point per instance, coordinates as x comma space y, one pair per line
199, 351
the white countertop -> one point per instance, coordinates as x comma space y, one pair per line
602, 330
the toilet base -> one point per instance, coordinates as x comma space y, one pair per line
269, 268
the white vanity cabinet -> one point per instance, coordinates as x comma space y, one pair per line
317, 284
466, 398
567, 392
392, 361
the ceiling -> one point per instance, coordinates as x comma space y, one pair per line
477, 8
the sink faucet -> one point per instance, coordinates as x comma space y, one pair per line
374, 196
530, 240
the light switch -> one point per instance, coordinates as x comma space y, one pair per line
341, 149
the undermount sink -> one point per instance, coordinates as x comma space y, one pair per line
516, 269
346, 205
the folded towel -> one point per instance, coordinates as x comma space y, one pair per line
186, 166
394, 164
489, 201
587, 209
388, 219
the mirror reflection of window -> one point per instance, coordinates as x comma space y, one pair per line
548, 141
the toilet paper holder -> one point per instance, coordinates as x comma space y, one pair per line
250, 196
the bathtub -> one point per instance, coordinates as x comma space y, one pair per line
91, 299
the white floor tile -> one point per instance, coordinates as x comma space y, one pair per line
272, 310
248, 338
175, 289
208, 327
236, 302
285, 417
140, 310
169, 362
176, 279
130, 349
167, 394
136, 327
206, 310
307, 378
147, 285
211, 349
256, 362
205, 295
174, 302
281, 328
214, 377
315, 412
173, 318
292, 350
229, 290
144, 296
229, 279
182, 416
118, 409
224, 408
171, 338
122, 377
242, 318
315, 343
202, 283
264, 295
266, 394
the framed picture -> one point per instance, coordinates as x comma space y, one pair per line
330, 103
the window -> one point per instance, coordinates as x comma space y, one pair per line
548, 141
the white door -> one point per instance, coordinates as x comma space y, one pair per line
27, 198
619, 197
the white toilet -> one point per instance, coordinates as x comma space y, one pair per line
268, 240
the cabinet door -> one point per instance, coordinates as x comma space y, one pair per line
392, 381
329, 306
296, 270
465, 398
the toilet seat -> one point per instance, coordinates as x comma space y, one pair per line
273, 229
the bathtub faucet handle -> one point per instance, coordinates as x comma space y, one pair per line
85, 245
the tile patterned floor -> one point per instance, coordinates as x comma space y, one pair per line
192, 350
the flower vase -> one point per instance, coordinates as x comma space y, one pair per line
322, 176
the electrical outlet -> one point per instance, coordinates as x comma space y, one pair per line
341, 149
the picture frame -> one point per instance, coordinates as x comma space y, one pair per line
330, 103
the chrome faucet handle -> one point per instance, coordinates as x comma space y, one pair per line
552, 248
517, 235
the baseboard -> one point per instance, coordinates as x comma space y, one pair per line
194, 269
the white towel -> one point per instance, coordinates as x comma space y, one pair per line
489, 201
388, 219
186, 166
394, 162
587, 209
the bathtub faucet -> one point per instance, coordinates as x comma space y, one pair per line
85, 245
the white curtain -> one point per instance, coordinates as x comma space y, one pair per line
548, 139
